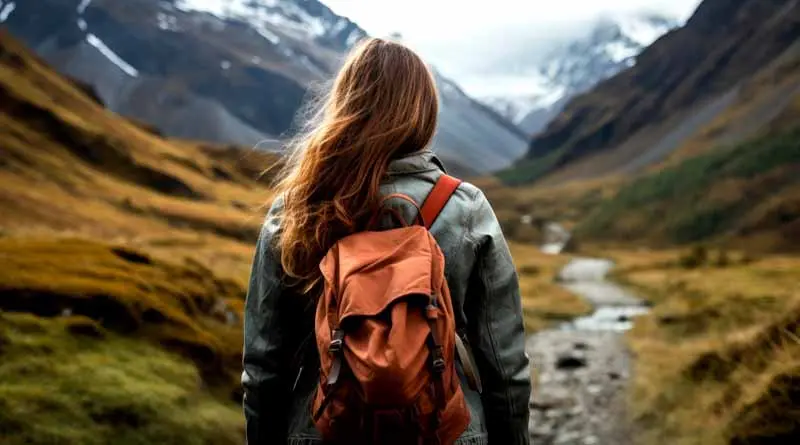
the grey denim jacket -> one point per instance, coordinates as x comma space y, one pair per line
485, 291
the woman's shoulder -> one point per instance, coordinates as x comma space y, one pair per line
474, 198
271, 224
471, 191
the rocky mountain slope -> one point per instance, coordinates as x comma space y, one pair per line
735, 180
575, 66
687, 80
228, 72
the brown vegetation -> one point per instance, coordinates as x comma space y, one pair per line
128, 292
125, 252
717, 358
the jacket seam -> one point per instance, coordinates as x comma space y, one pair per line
471, 218
412, 172
463, 243
493, 340
488, 282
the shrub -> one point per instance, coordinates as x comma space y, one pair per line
530, 269
696, 257
723, 260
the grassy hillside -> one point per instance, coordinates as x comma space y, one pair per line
568, 204
70, 166
123, 264
68, 381
746, 193
717, 359
751, 191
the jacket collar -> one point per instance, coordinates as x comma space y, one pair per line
418, 162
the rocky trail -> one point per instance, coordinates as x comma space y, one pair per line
581, 368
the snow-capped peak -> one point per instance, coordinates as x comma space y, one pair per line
611, 47
645, 29
301, 18
576, 65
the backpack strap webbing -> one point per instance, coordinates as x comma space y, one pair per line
438, 197
433, 205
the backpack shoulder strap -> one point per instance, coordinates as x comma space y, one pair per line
437, 198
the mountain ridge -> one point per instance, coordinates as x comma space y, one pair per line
685, 70
239, 76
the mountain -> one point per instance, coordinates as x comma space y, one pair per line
472, 138
575, 66
232, 71
703, 74
698, 142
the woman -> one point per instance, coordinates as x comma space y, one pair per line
370, 139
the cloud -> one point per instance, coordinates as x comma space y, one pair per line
453, 20
466, 37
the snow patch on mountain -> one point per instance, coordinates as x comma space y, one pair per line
6, 11
269, 35
167, 22
83, 5
111, 55
301, 19
644, 30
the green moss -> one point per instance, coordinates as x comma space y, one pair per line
528, 171
59, 387
673, 204
126, 292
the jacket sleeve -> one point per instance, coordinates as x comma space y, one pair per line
264, 389
496, 329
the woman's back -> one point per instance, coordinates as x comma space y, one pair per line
485, 293
280, 305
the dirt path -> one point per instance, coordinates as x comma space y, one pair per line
581, 369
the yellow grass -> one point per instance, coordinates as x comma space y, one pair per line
718, 359
148, 240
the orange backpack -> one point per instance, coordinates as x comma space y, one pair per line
386, 337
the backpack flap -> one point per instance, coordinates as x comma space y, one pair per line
385, 283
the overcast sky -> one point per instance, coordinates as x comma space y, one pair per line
466, 37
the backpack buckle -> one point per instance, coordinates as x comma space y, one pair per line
438, 365
337, 341
431, 312
438, 360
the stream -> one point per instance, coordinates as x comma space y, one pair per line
581, 367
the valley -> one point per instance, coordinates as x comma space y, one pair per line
707, 356
654, 217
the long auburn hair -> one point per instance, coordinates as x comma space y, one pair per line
383, 104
